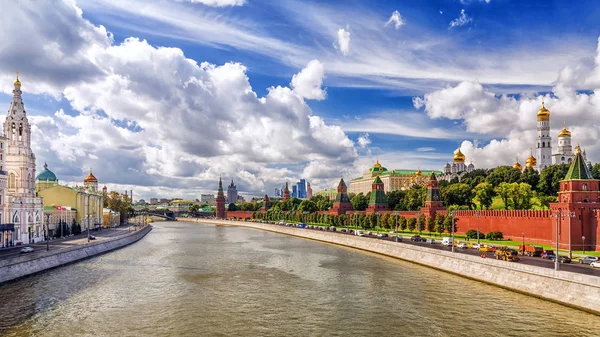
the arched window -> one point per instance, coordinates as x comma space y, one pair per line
570, 160
562, 159
12, 181
543, 144
13, 131
584, 187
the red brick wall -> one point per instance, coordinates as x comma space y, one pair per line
238, 214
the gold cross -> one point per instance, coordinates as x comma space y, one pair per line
17, 74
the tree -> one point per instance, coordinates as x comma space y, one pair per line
503, 191
439, 223
595, 171
457, 194
232, 207
383, 220
421, 223
448, 224
324, 204
396, 200
360, 202
415, 198
402, 223
484, 195
412, 224
430, 224
373, 220
502, 174
194, 208
307, 206
521, 195
550, 178
545, 200
392, 220
530, 176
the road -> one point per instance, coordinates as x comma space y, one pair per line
7, 255
575, 267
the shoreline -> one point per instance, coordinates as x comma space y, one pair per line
58, 258
574, 290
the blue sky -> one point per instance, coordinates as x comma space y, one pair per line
165, 96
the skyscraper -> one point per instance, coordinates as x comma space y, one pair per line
232, 194
301, 188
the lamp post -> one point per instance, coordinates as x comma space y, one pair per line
88, 219
583, 239
47, 232
523, 249
419, 222
452, 230
558, 214
356, 221
478, 214
570, 215
377, 223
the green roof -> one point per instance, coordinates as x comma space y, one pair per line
578, 169
377, 180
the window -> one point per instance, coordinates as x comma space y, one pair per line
12, 183
584, 187
543, 144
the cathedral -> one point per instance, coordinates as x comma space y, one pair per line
458, 168
545, 157
22, 208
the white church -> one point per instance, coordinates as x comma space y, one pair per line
19, 206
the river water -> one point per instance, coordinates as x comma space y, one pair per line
186, 279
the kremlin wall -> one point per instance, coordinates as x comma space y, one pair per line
574, 219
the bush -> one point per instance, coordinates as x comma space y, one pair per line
494, 236
472, 234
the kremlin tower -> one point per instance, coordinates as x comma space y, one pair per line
220, 213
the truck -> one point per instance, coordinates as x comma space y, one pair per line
503, 253
530, 250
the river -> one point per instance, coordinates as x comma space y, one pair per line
187, 279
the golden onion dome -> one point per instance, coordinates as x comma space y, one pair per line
564, 132
90, 178
531, 161
517, 165
459, 157
543, 114
419, 173
377, 165
17, 82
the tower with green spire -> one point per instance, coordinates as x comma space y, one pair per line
578, 202
342, 202
378, 201
220, 213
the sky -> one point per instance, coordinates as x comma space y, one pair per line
163, 97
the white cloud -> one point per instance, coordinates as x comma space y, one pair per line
363, 140
151, 117
307, 83
343, 41
461, 20
396, 20
220, 3
425, 149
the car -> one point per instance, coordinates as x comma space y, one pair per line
477, 246
595, 264
332, 228
360, 233
462, 245
430, 241
398, 238
92, 237
369, 233
27, 250
588, 259
382, 235
562, 259
343, 230
301, 225
417, 238
547, 254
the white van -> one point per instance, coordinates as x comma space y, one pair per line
360, 233
447, 241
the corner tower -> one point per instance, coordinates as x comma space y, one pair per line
342, 202
378, 201
544, 141
220, 213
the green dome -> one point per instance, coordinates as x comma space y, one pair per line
46, 175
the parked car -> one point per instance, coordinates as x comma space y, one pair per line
562, 259
477, 246
447, 241
343, 230
588, 259
360, 233
332, 228
398, 238
382, 235
547, 254
417, 238
430, 241
92, 237
369, 233
27, 250
462, 245
595, 264
302, 225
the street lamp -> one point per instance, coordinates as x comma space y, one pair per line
570, 215
419, 221
377, 223
583, 239
558, 214
452, 229
523, 247
47, 232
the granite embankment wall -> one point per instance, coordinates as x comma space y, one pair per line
52, 259
571, 289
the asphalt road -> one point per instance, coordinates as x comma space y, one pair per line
574, 267
8, 254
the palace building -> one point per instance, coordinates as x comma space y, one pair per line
392, 180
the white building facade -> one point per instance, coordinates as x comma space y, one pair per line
544, 141
22, 207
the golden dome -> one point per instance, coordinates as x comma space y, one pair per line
564, 132
377, 164
518, 166
543, 114
90, 178
459, 157
419, 173
531, 161
17, 82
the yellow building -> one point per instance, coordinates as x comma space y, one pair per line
329, 194
88, 205
392, 180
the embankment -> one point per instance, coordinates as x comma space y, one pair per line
56, 258
571, 289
